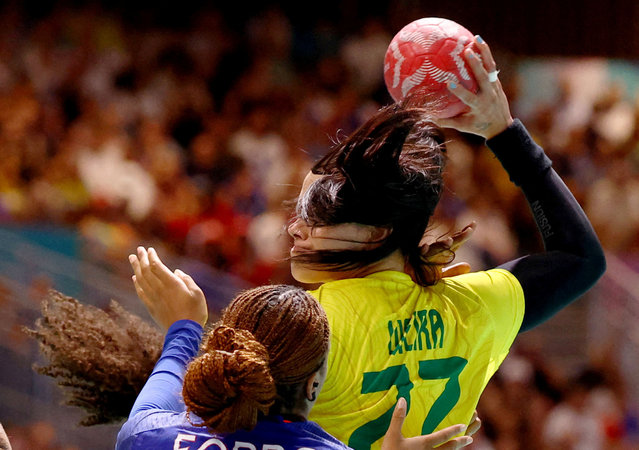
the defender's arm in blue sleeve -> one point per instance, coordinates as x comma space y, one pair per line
163, 389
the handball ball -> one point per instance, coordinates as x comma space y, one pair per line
424, 56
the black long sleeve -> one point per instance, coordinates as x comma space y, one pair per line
573, 259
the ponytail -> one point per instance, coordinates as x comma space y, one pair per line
388, 174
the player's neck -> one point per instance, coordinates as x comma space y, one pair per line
296, 413
395, 261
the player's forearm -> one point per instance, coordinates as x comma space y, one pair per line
573, 260
164, 386
562, 223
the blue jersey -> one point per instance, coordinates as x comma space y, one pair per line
158, 418
157, 429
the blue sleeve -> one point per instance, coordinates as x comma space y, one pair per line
163, 389
573, 259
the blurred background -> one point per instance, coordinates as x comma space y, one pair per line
185, 126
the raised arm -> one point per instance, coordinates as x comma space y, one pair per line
177, 304
573, 259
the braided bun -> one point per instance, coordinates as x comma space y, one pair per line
230, 383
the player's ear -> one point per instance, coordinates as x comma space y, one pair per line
379, 233
313, 387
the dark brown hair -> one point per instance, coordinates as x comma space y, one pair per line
101, 358
388, 173
269, 341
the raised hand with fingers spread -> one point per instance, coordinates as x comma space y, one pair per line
489, 112
168, 296
441, 251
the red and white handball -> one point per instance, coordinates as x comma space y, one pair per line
423, 57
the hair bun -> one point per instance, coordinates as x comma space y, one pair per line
229, 339
230, 382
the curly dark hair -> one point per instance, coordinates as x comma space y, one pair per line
101, 358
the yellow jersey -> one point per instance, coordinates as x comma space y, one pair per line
436, 346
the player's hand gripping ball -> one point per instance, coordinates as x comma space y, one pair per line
423, 57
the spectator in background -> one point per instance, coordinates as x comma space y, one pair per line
205, 164
264, 152
617, 190
112, 178
362, 53
575, 423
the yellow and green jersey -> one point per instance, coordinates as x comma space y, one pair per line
436, 346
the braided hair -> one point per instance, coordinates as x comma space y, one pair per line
269, 341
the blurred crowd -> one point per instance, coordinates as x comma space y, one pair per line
195, 138
534, 404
